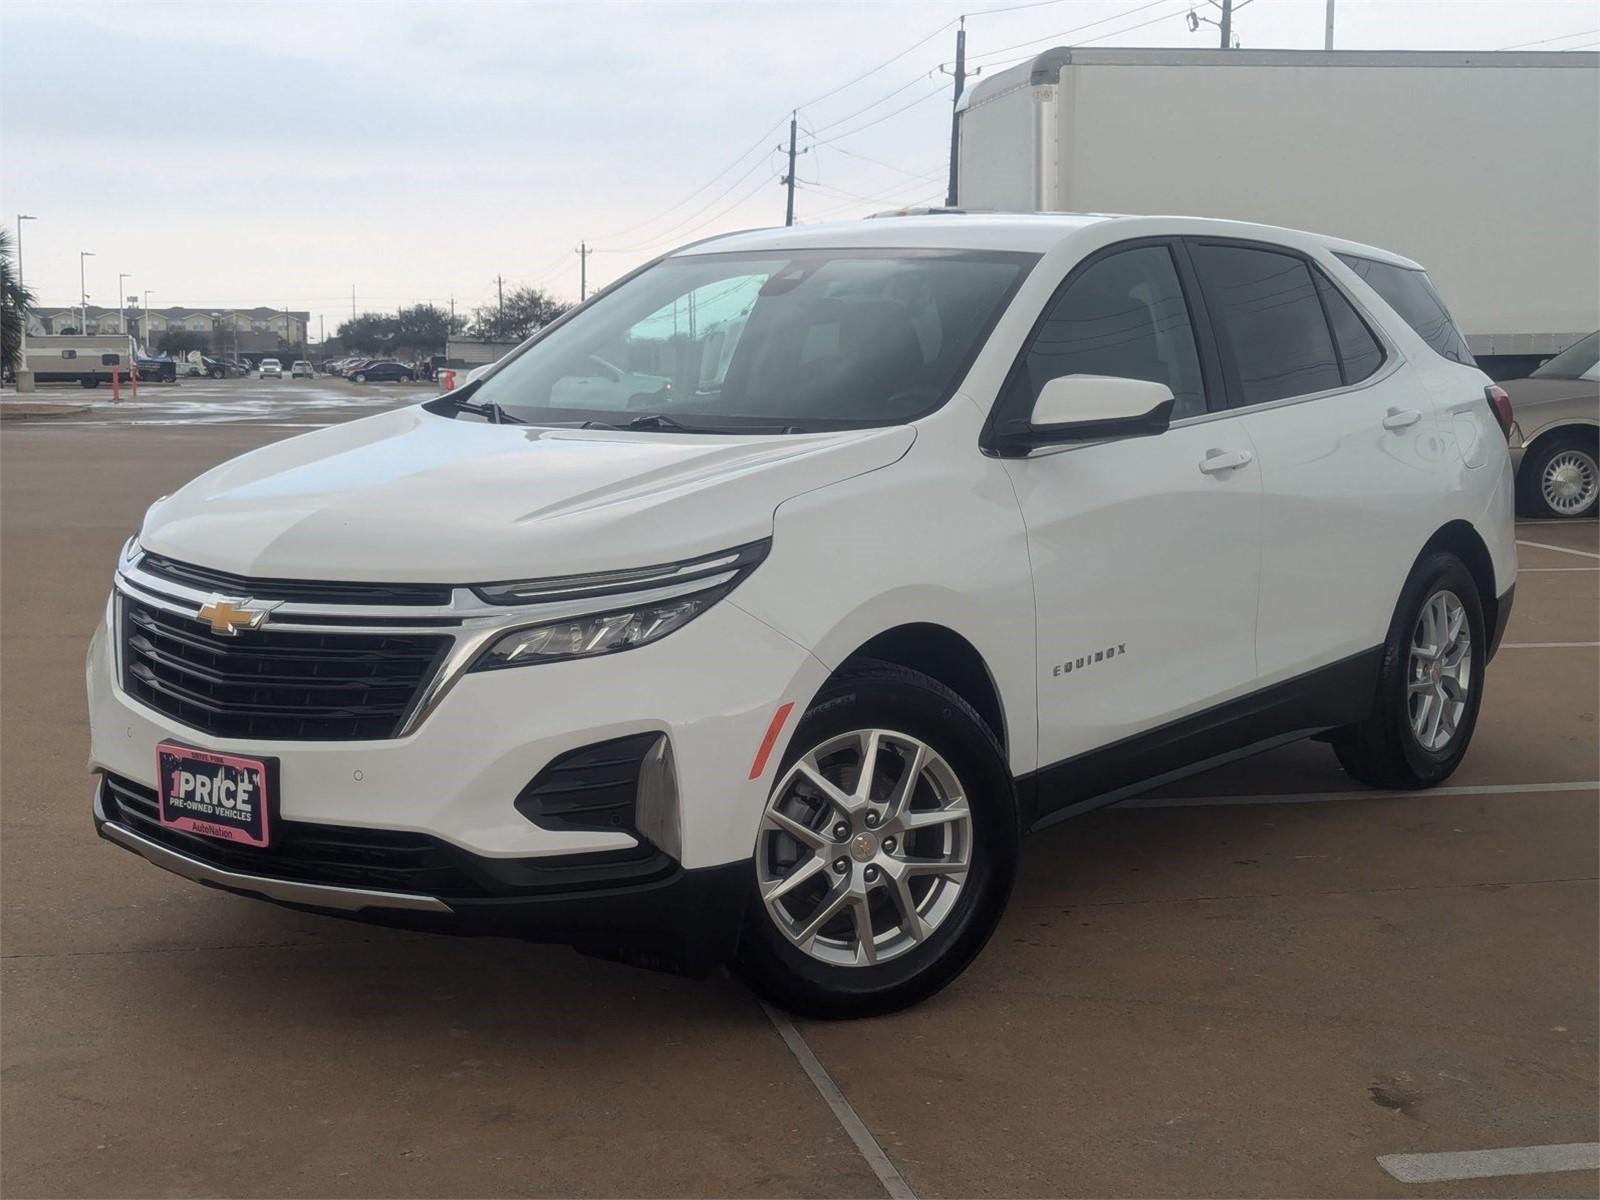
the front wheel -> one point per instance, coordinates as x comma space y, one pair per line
1561, 479
886, 851
359, 377
1430, 683
216, 374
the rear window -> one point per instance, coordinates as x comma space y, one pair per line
1271, 321
1411, 294
1360, 353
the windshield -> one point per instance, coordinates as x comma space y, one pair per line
1577, 361
802, 340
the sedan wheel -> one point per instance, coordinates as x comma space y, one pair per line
1569, 482
864, 847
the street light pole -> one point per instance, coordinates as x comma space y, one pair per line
83, 293
21, 217
122, 301
146, 329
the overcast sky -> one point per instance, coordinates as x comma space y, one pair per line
279, 152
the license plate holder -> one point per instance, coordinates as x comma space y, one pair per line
228, 797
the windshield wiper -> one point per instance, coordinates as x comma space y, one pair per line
673, 425
489, 409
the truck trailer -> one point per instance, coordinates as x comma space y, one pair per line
84, 359
1483, 167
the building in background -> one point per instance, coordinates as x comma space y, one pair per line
216, 329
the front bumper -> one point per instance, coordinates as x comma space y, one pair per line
647, 911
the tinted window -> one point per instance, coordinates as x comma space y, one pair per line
1124, 316
1410, 293
1271, 320
1359, 352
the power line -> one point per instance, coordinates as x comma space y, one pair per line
1178, 12
743, 199
932, 176
1065, 33
1547, 41
672, 230
874, 104
895, 58
938, 91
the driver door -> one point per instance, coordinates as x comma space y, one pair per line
1145, 550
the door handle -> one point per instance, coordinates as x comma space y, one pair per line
1399, 418
1217, 461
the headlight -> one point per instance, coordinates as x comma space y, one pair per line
665, 597
130, 552
603, 633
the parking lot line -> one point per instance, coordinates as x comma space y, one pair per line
1558, 549
1552, 570
893, 1182
1547, 645
1501, 789
1488, 1164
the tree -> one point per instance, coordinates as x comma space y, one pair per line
424, 328
370, 333
16, 302
525, 310
181, 341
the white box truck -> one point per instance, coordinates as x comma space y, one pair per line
1484, 167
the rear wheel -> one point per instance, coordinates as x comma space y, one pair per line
886, 851
1430, 683
1561, 478
359, 377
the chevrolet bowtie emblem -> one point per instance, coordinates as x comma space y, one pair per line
226, 617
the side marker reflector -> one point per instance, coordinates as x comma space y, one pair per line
770, 740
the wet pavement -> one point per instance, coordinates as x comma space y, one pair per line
1255, 982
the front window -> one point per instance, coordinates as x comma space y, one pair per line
1578, 361
768, 342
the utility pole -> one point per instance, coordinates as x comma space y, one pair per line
1227, 23
788, 212
322, 330
122, 301
147, 292
500, 306
83, 292
1327, 32
21, 217
352, 302
955, 109
583, 271
23, 333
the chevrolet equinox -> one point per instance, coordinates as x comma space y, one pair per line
753, 611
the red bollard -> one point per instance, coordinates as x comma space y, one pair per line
448, 378
116, 384
133, 380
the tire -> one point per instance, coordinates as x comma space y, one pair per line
1561, 478
359, 377
216, 374
1387, 749
964, 775
90, 381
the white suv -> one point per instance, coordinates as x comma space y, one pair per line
271, 368
926, 532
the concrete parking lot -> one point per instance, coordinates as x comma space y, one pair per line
1259, 982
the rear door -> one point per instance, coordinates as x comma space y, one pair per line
1349, 449
1145, 549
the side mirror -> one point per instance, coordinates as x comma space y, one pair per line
1086, 408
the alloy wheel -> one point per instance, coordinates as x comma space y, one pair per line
864, 847
1439, 680
1568, 482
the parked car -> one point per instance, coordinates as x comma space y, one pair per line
271, 368
157, 369
1555, 443
600, 384
300, 369
992, 520
383, 371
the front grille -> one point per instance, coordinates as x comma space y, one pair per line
269, 684
301, 591
335, 855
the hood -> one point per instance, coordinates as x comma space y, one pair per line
410, 497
